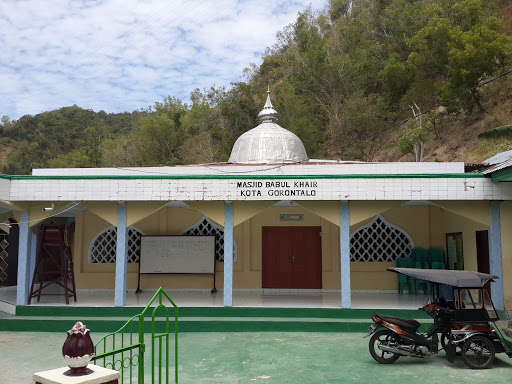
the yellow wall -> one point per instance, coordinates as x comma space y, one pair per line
453, 223
506, 251
427, 225
170, 221
375, 276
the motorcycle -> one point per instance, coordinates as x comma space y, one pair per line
467, 320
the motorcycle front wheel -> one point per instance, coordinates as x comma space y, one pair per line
383, 337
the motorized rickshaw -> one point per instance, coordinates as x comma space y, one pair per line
464, 318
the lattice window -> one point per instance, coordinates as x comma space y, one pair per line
379, 240
206, 227
4, 244
103, 246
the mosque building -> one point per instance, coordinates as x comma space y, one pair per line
279, 221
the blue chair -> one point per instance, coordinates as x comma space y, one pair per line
435, 255
438, 265
419, 255
426, 285
404, 262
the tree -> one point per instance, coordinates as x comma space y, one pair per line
413, 137
475, 55
121, 151
396, 77
159, 138
94, 137
352, 127
462, 45
339, 8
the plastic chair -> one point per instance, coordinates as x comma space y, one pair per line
435, 255
438, 265
426, 284
405, 262
419, 255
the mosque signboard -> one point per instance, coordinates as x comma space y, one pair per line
282, 189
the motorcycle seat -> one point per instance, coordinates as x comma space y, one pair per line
404, 323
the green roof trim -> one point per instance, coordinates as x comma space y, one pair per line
502, 174
249, 177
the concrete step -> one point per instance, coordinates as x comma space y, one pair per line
8, 308
202, 319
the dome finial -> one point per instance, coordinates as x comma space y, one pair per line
268, 143
268, 113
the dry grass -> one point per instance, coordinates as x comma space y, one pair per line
458, 139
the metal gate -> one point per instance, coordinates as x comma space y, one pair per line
124, 350
4, 256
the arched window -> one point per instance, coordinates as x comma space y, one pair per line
379, 240
206, 227
103, 246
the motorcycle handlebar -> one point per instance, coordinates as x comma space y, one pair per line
444, 310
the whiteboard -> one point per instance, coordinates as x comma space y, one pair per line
177, 254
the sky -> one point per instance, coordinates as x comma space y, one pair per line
123, 55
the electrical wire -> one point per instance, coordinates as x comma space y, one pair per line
210, 166
372, 136
140, 53
133, 45
118, 39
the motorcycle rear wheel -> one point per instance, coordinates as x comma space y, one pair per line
383, 337
478, 352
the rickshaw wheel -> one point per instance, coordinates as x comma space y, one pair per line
478, 352
383, 337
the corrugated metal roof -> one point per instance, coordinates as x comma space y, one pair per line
499, 158
497, 167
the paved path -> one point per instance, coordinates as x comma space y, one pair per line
262, 358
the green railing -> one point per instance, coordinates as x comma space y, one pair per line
124, 349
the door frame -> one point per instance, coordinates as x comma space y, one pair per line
313, 266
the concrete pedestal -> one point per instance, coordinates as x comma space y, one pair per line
100, 375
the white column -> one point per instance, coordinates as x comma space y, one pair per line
345, 255
24, 280
121, 256
495, 255
228, 255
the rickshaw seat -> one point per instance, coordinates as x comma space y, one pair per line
404, 323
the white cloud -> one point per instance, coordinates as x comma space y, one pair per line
121, 55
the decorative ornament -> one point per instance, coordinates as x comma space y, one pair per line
78, 350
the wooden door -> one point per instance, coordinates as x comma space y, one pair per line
482, 254
482, 251
292, 257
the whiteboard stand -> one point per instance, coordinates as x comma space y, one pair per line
177, 255
214, 290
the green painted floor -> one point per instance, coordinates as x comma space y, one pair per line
263, 357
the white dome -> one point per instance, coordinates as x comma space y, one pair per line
268, 143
